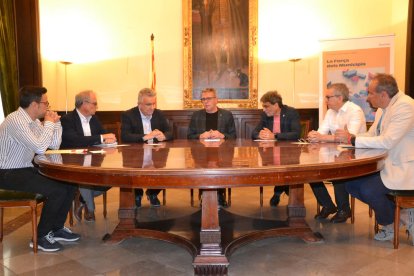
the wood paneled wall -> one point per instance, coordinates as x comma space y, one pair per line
245, 120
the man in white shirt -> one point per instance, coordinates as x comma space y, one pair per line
22, 135
393, 130
342, 114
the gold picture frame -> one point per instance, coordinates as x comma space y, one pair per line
225, 53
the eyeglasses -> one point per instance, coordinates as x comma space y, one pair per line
328, 97
207, 99
95, 103
45, 103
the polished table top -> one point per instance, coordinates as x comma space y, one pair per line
200, 164
208, 235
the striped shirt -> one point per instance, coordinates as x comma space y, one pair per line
21, 138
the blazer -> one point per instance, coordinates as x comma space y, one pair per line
132, 130
289, 124
396, 134
72, 135
225, 124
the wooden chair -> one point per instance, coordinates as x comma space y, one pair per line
402, 199
20, 199
304, 129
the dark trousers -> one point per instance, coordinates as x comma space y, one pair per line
371, 190
59, 195
140, 192
324, 199
278, 190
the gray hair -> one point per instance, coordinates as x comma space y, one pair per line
387, 83
146, 92
340, 89
82, 97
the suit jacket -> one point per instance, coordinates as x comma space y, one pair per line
289, 124
225, 124
72, 135
132, 130
397, 136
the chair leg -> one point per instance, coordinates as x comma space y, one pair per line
352, 209
192, 197
1, 224
33, 206
396, 223
261, 196
318, 208
104, 197
229, 196
164, 197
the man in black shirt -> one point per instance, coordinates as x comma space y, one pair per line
212, 123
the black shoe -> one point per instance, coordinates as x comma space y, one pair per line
47, 243
325, 212
65, 234
138, 201
274, 201
154, 201
341, 216
221, 201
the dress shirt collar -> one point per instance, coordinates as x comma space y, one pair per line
145, 117
83, 118
344, 107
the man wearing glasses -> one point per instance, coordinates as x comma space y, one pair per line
341, 114
81, 128
212, 123
22, 135
145, 124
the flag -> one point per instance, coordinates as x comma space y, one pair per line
153, 76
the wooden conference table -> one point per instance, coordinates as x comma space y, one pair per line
211, 236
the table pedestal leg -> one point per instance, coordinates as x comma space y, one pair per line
210, 260
127, 213
297, 212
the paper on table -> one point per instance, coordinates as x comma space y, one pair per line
301, 143
346, 146
212, 140
67, 151
97, 151
112, 145
265, 140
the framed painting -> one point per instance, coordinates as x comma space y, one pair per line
220, 51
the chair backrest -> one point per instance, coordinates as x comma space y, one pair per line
114, 128
304, 125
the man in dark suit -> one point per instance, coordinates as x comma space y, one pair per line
280, 122
212, 123
81, 128
145, 123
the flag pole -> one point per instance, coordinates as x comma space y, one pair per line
153, 75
